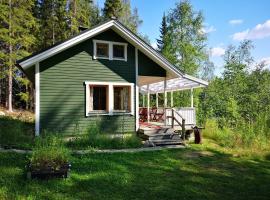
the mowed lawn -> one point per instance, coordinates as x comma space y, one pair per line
199, 172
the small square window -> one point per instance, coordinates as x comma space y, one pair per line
102, 50
118, 51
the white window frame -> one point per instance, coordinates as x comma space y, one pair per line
110, 43
111, 110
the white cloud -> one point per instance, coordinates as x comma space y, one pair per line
263, 62
258, 32
154, 45
217, 51
266, 61
208, 29
236, 21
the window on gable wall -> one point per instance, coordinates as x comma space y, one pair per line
102, 50
118, 51
110, 50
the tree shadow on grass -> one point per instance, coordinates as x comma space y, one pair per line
16, 133
167, 174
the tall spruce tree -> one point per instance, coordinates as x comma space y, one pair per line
52, 17
185, 41
16, 38
112, 8
121, 10
81, 14
161, 42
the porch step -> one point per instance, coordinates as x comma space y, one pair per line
152, 131
167, 142
164, 137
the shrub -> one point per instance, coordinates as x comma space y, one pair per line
255, 135
49, 151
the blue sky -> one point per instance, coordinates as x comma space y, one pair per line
226, 21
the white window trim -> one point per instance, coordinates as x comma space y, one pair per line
111, 98
110, 43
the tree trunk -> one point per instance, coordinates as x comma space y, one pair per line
10, 70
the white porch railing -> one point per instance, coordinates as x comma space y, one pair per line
189, 114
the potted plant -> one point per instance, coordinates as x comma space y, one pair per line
49, 159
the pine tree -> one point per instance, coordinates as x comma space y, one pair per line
112, 8
17, 24
163, 31
52, 17
81, 13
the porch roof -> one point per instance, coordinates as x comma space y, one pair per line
184, 82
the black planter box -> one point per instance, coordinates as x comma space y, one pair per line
48, 172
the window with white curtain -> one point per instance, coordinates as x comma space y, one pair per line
109, 98
121, 98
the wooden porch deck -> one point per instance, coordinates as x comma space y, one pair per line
159, 134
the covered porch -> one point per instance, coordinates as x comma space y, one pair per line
164, 117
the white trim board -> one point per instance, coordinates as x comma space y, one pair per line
111, 97
37, 100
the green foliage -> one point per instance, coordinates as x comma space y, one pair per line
16, 39
243, 135
121, 10
163, 32
238, 104
94, 138
81, 13
51, 17
49, 151
112, 8
185, 42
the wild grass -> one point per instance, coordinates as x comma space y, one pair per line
49, 151
248, 138
16, 132
198, 172
94, 138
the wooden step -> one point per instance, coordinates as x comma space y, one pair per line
165, 137
167, 142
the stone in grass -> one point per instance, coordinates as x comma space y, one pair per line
2, 113
148, 143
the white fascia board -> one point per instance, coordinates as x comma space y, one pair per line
61, 47
198, 80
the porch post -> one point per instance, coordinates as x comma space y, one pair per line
157, 100
191, 97
137, 91
165, 101
171, 99
148, 104
143, 103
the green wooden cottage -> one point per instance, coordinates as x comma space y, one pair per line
98, 76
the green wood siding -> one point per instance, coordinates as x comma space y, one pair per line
148, 67
62, 90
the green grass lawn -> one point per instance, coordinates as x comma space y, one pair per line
199, 172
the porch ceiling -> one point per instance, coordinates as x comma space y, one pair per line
157, 85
